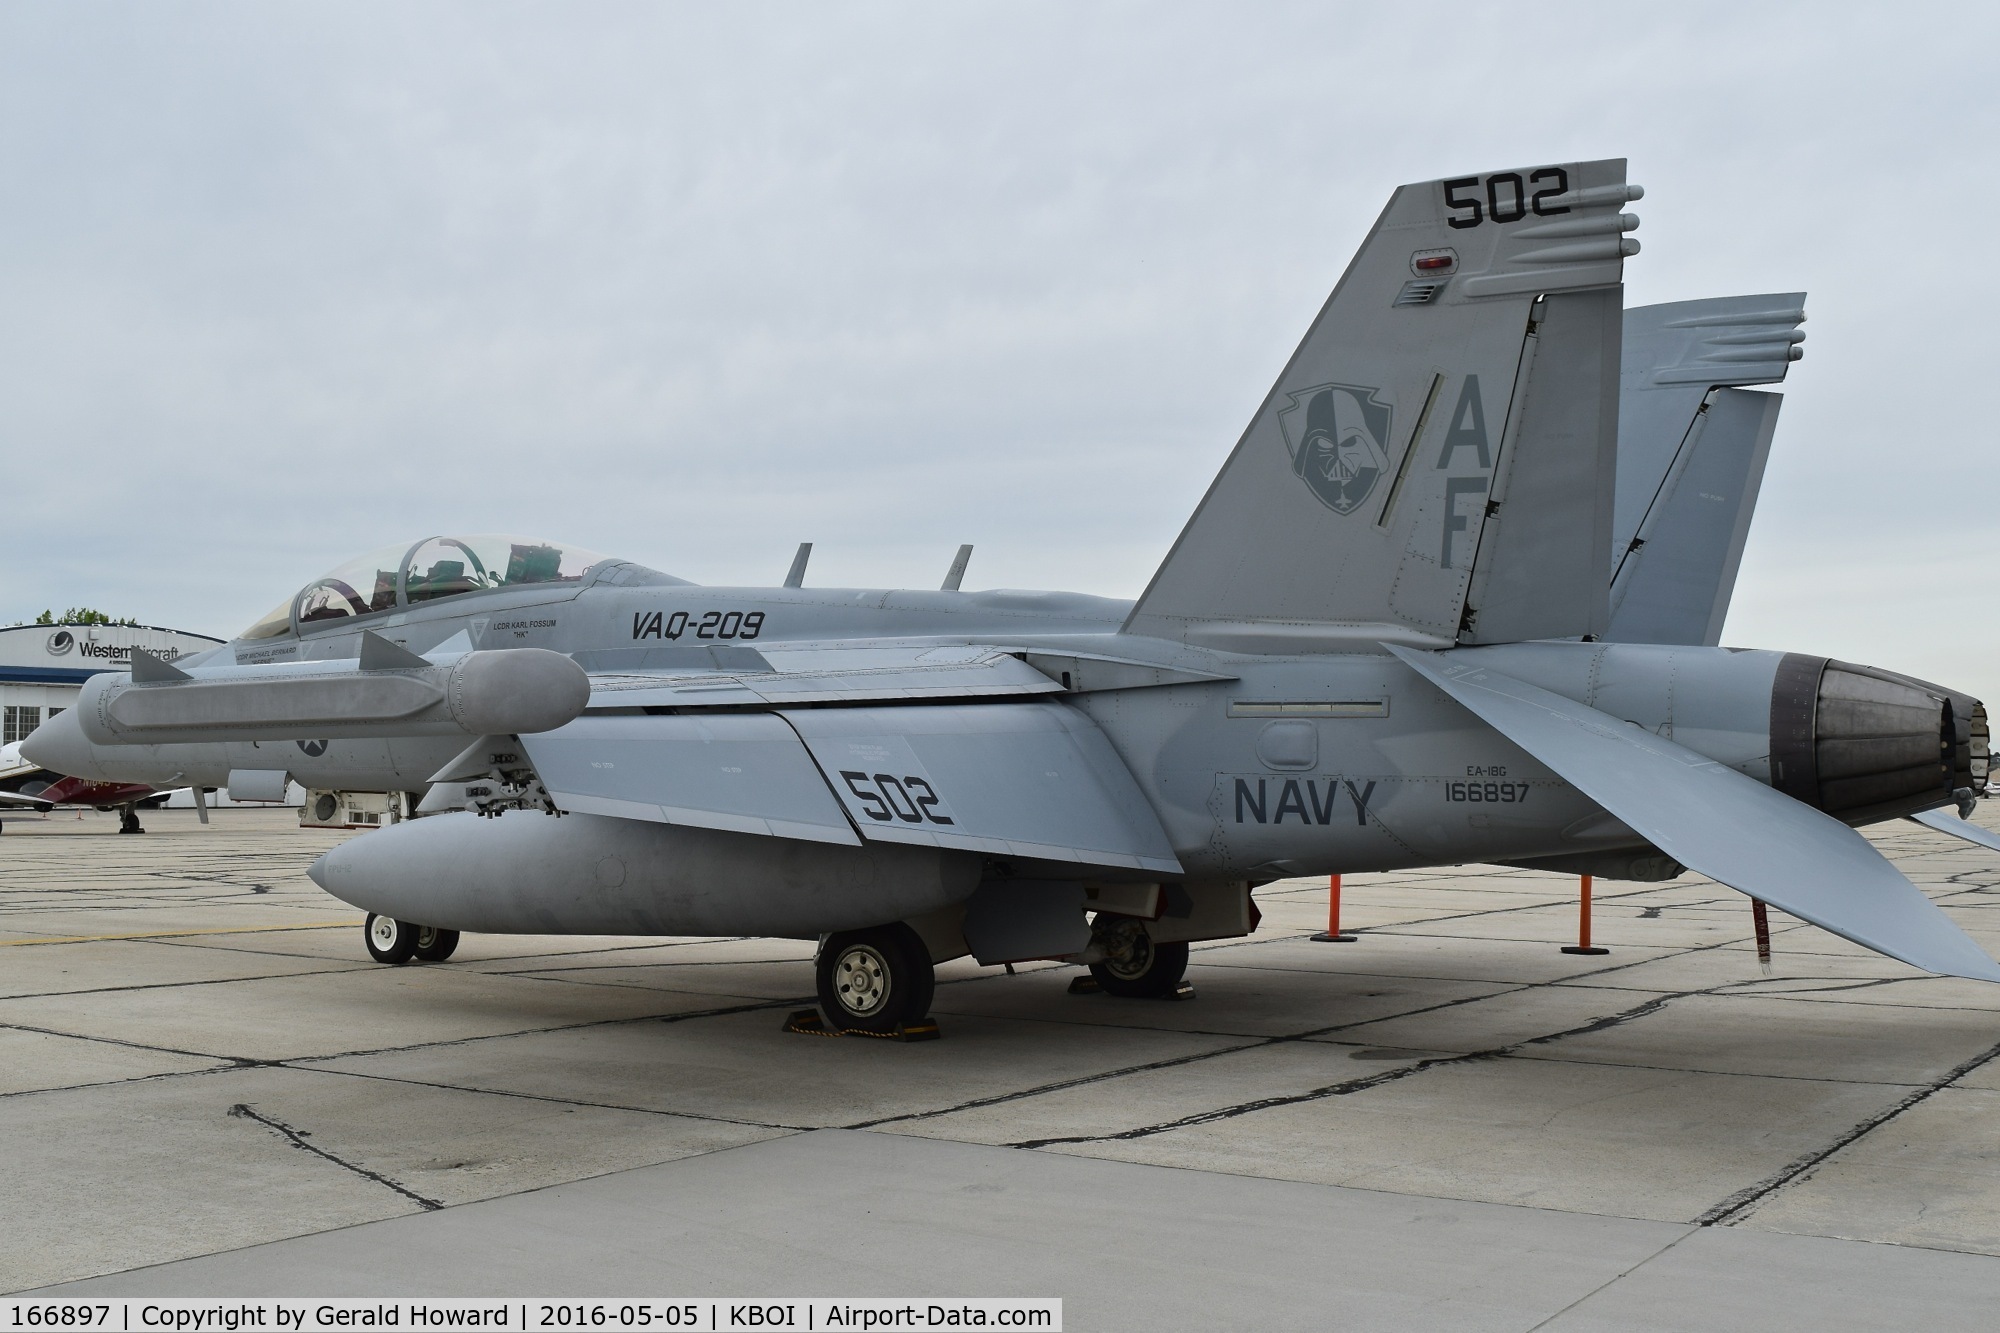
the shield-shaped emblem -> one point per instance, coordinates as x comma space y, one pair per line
1339, 436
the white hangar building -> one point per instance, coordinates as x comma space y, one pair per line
43, 667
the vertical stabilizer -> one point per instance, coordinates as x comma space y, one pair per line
1435, 464
1692, 445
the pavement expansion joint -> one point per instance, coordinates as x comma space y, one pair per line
548, 1098
1348, 1087
1740, 1203
297, 1138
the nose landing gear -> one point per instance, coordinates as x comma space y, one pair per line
128, 819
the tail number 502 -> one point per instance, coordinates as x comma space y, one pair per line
1505, 196
885, 797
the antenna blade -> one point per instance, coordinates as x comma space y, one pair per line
956, 574
797, 577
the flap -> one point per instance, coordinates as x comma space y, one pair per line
743, 772
1028, 779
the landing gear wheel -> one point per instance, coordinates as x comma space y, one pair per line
1134, 966
434, 945
872, 980
128, 820
389, 940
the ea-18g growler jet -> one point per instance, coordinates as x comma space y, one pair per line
1378, 643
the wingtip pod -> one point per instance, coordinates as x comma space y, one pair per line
1717, 821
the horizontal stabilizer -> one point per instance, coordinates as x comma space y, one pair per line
1958, 828
1715, 820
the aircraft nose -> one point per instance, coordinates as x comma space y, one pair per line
60, 746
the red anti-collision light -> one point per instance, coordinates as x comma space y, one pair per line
1433, 263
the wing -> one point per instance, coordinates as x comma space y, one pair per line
1030, 780
1717, 821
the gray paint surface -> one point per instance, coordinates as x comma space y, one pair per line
1946, 822
1692, 446
1030, 780
1548, 520
1676, 587
743, 772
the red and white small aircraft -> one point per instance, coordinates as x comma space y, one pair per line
24, 784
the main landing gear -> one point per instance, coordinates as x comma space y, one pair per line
128, 818
1134, 965
396, 942
874, 980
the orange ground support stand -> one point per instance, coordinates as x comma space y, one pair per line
1332, 935
1583, 944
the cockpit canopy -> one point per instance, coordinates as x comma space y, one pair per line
436, 567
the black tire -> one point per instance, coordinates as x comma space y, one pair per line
1137, 968
434, 944
389, 940
872, 980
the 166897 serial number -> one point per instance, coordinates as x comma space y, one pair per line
1486, 793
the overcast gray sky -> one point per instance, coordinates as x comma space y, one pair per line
691, 284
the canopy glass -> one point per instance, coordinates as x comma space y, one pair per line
425, 571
